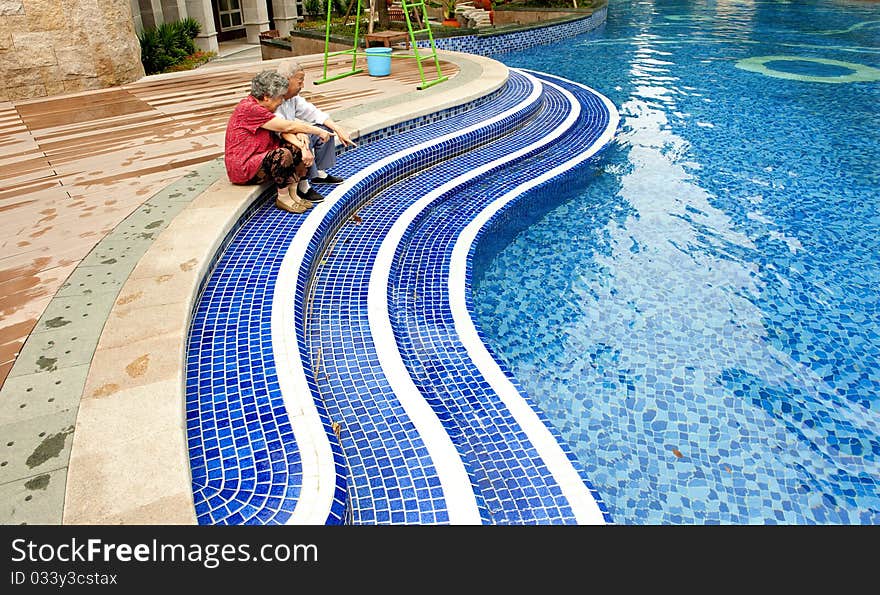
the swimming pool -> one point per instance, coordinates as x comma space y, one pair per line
698, 314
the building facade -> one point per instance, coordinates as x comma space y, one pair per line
50, 47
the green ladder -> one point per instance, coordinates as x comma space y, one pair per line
419, 57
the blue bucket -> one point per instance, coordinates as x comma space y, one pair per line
379, 61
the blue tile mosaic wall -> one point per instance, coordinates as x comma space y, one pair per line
493, 44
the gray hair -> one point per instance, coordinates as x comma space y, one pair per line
288, 68
268, 83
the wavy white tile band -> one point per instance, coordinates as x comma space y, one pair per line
579, 497
319, 473
380, 320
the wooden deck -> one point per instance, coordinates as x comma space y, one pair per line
72, 167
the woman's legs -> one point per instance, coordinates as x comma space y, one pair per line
281, 164
284, 166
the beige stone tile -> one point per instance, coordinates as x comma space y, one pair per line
185, 267
225, 198
171, 509
129, 459
135, 322
187, 246
117, 370
151, 292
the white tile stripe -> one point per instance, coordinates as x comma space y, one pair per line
578, 495
319, 471
458, 497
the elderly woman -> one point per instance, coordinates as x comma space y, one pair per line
255, 151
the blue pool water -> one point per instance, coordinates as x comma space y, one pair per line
697, 312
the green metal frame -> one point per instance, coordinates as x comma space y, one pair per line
418, 56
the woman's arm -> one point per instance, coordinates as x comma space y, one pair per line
301, 141
278, 124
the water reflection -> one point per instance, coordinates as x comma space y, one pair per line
683, 321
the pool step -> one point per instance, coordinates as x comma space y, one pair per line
430, 312
483, 446
262, 448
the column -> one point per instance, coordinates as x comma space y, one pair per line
151, 12
201, 11
256, 18
136, 16
172, 11
285, 15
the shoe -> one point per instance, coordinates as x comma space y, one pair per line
312, 195
328, 179
293, 205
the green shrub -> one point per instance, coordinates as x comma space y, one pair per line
314, 8
168, 44
191, 26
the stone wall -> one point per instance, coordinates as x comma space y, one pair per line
297, 45
50, 47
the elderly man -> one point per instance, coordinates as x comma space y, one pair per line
318, 154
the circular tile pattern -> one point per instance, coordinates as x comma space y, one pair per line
827, 71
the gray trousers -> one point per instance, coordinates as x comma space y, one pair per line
325, 153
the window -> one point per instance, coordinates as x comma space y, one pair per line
230, 14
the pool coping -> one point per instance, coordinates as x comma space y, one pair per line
129, 461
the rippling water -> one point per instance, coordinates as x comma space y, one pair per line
697, 311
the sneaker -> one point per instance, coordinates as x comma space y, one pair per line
293, 205
328, 179
312, 195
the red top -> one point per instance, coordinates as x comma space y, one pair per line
247, 143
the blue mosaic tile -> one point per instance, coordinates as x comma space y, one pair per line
492, 44
230, 369
339, 307
423, 321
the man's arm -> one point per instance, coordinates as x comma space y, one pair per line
340, 132
307, 111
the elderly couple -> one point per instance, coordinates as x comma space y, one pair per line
273, 133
